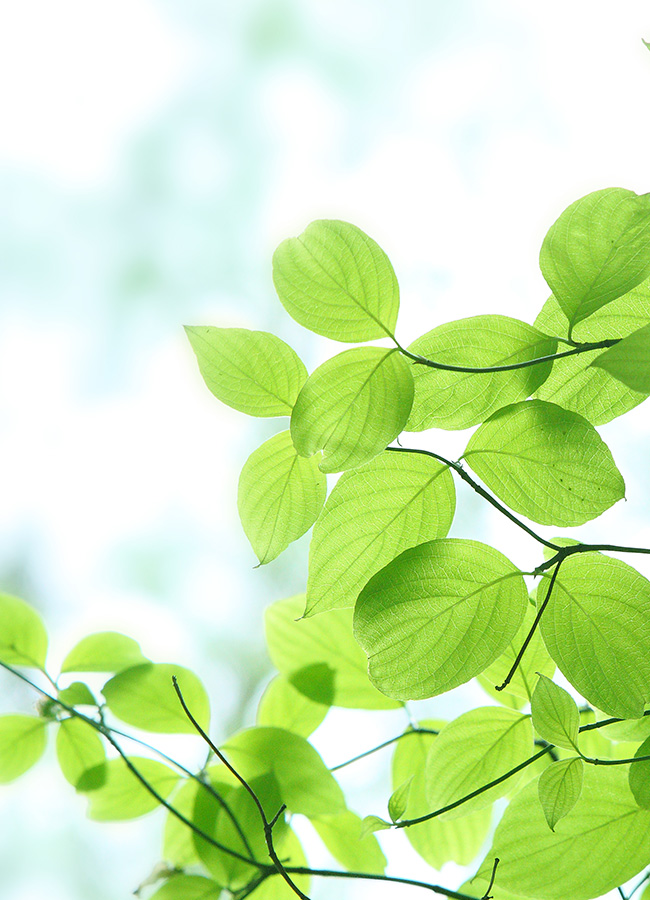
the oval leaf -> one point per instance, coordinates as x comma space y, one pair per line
188, 887
629, 361
22, 743
23, 638
352, 406
640, 776
320, 656
374, 513
341, 834
546, 463
283, 706
597, 629
473, 750
338, 282
598, 250
81, 755
559, 789
453, 400
555, 715
280, 495
144, 696
253, 371
106, 651
122, 796
437, 616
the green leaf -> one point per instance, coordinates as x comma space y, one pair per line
374, 513
106, 651
399, 800
370, 824
253, 371
559, 788
352, 406
275, 888
535, 661
556, 717
473, 750
629, 361
22, 743
320, 656
597, 629
188, 887
438, 841
283, 706
306, 784
23, 638
602, 843
338, 282
437, 616
122, 796
178, 840
77, 694
280, 495
144, 696
546, 463
628, 730
460, 399
574, 383
640, 776
598, 250
81, 755
341, 834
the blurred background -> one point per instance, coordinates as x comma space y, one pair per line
152, 155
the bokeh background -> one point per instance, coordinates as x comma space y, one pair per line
152, 155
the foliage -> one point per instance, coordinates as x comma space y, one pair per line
394, 609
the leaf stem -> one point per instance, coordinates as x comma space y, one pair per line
411, 730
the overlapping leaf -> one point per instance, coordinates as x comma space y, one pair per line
122, 796
81, 755
336, 281
352, 406
374, 513
252, 371
280, 495
629, 361
555, 714
437, 616
640, 776
341, 834
106, 651
284, 706
545, 462
453, 400
559, 788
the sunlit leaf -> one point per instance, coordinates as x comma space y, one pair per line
77, 694
372, 514
437, 616
178, 840
555, 714
352, 407
144, 696
22, 743
280, 495
545, 462
453, 400
398, 800
320, 656
598, 250
253, 371
123, 796
81, 755
341, 834
188, 887
640, 776
370, 824
559, 788
629, 361
106, 651
336, 281
23, 638
284, 706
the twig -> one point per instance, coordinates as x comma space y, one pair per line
398, 737
487, 895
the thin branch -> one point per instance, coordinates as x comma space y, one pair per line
398, 737
487, 895
365, 876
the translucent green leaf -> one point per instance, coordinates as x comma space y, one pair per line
77, 694
559, 788
438, 841
473, 750
188, 887
320, 656
81, 755
598, 250
437, 616
574, 383
341, 834
122, 796
106, 651
178, 840
460, 399
640, 776
398, 800
338, 282
603, 842
253, 371
546, 463
555, 714
144, 696
22, 743
23, 638
597, 629
370, 824
536, 660
352, 407
372, 514
629, 361
306, 784
628, 730
275, 888
280, 495
284, 706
